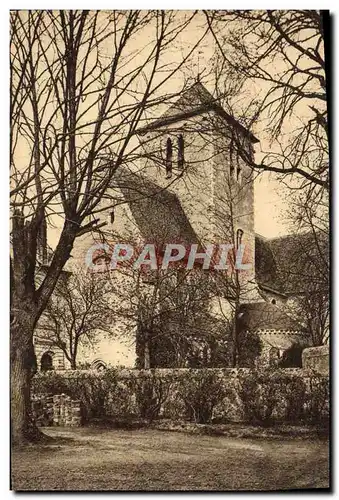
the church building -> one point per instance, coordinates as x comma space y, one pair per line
190, 185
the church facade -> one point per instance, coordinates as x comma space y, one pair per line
190, 186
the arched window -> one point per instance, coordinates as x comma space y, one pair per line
240, 234
169, 151
46, 363
99, 365
181, 156
232, 171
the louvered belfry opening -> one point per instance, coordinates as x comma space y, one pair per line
181, 156
169, 153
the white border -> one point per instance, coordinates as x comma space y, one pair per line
4, 199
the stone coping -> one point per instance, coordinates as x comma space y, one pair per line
133, 372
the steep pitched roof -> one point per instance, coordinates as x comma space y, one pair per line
194, 101
298, 259
287, 263
266, 269
157, 212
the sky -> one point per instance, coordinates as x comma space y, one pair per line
270, 205
270, 202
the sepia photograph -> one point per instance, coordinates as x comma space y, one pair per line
169, 250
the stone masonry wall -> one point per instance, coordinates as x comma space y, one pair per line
169, 393
57, 410
317, 359
194, 186
58, 359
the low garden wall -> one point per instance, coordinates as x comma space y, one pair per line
317, 359
198, 395
57, 409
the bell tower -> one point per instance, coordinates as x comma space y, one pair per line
177, 156
197, 151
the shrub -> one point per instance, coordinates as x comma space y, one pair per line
199, 395
249, 349
317, 403
49, 383
259, 394
294, 396
269, 395
151, 393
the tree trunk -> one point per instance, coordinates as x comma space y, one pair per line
27, 305
23, 367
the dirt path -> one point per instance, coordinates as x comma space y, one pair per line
93, 459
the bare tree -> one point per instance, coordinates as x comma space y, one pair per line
181, 312
80, 86
234, 286
234, 223
312, 308
306, 272
230, 220
78, 312
188, 331
276, 81
166, 310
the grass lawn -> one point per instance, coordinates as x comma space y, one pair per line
144, 460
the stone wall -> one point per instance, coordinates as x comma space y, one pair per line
58, 410
174, 394
195, 188
43, 346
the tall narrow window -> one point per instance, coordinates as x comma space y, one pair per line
169, 151
240, 233
232, 171
112, 216
181, 156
